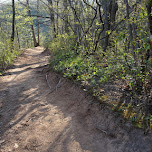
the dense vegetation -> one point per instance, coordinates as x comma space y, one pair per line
94, 42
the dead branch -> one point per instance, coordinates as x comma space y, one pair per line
57, 86
55, 89
47, 81
100, 130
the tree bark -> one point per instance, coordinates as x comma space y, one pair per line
130, 30
57, 18
32, 27
13, 21
52, 18
18, 38
109, 19
66, 27
149, 5
38, 28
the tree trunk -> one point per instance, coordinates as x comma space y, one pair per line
66, 27
75, 9
114, 9
149, 5
13, 21
109, 20
57, 18
38, 28
130, 30
32, 27
18, 38
52, 17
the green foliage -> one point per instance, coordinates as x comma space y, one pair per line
122, 60
89, 70
7, 54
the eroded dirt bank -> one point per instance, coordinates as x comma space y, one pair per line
42, 112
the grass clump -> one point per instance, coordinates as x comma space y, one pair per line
7, 54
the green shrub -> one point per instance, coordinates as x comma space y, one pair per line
92, 71
86, 69
7, 54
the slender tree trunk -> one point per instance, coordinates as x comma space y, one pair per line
18, 38
74, 7
149, 6
114, 9
52, 17
32, 27
57, 18
129, 25
38, 28
107, 28
66, 27
75, 21
13, 21
130, 30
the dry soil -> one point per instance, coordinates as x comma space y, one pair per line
40, 111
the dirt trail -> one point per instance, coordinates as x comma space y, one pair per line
35, 117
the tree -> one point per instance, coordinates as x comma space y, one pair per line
52, 17
65, 9
13, 21
32, 27
38, 28
149, 6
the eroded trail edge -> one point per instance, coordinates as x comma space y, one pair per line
40, 111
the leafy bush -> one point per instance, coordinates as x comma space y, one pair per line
89, 70
95, 70
7, 54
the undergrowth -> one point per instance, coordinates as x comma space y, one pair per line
94, 70
8, 53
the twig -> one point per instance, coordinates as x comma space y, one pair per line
57, 86
47, 81
100, 130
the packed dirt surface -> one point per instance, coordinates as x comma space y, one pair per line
40, 111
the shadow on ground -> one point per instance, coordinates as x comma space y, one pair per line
60, 119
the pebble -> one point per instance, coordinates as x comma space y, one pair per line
16, 146
2, 141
